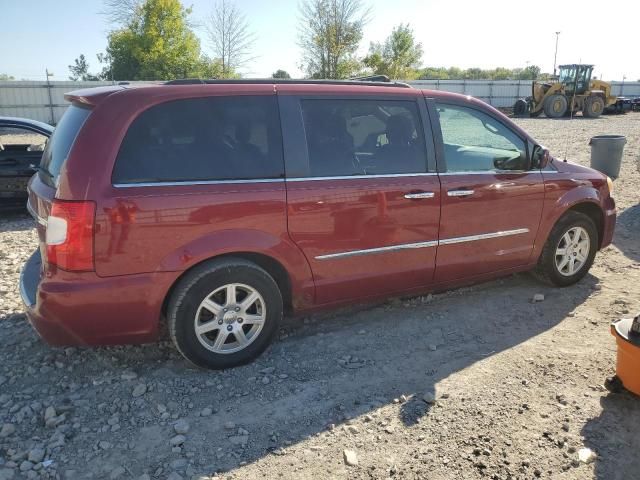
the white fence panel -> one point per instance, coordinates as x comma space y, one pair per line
37, 99
45, 101
504, 93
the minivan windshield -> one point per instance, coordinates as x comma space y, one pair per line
60, 143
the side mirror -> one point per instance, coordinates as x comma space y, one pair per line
545, 159
540, 158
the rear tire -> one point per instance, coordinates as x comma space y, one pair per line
520, 107
593, 107
224, 313
551, 268
555, 106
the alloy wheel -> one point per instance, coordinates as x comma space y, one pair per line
572, 251
230, 318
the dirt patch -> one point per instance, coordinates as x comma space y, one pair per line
475, 383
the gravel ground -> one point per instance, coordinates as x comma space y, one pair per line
475, 383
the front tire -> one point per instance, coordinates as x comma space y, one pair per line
569, 252
224, 313
555, 106
593, 107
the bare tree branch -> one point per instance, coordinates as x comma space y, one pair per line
230, 37
120, 12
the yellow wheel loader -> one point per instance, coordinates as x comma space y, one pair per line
573, 91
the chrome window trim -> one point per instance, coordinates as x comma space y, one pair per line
265, 180
483, 236
348, 177
433, 243
390, 248
490, 172
197, 182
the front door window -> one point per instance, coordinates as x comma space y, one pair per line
476, 142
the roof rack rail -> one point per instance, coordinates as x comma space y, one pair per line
185, 81
372, 78
374, 81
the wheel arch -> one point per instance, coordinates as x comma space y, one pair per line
585, 200
594, 212
272, 266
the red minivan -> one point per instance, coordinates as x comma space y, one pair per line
222, 205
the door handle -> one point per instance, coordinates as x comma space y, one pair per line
414, 196
460, 193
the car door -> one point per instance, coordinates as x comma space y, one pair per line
363, 204
20, 152
491, 200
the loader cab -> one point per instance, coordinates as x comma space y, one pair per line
575, 77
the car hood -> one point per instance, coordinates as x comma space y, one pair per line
570, 167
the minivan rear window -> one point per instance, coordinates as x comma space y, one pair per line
203, 139
59, 145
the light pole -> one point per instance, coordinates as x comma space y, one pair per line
555, 55
50, 74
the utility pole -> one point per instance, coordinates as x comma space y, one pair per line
555, 55
53, 120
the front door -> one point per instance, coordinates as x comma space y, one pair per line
491, 201
362, 206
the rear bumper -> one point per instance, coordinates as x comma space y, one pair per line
84, 309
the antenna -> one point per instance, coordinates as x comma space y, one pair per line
566, 136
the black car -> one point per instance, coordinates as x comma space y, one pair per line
22, 142
622, 105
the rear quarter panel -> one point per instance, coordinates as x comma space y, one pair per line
172, 228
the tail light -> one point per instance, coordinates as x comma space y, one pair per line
69, 236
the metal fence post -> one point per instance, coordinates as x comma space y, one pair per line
491, 93
53, 120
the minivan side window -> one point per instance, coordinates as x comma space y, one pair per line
363, 137
203, 139
476, 142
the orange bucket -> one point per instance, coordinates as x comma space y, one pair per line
628, 362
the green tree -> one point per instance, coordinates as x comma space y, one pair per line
329, 35
532, 72
157, 44
434, 73
398, 57
80, 70
4, 77
280, 74
501, 74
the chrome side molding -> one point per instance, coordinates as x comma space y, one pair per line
368, 251
433, 243
483, 236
